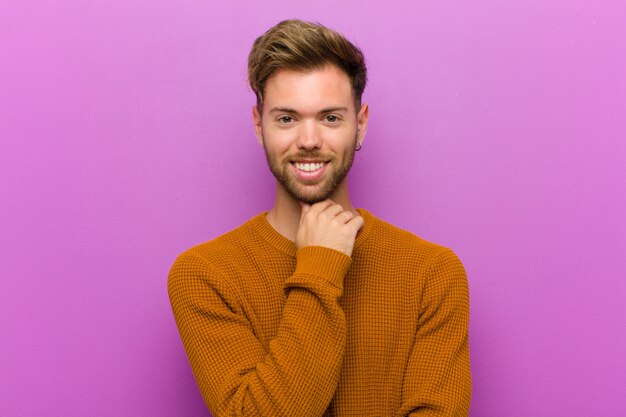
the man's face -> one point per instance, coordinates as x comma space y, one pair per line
309, 129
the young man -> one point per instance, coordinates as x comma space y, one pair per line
315, 308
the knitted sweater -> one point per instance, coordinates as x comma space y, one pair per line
270, 330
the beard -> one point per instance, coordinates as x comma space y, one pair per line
311, 193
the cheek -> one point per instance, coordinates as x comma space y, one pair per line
277, 142
341, 138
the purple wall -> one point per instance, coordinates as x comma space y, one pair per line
497, 128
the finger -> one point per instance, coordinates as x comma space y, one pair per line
333, 210
321, 206
345, 216
356, 222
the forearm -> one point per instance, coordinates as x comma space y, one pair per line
297, 372
438, 379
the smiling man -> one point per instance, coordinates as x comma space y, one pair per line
315, 308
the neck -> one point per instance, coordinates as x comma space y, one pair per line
284, 216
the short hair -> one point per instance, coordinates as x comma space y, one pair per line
304, 46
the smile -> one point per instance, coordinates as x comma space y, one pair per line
309, 167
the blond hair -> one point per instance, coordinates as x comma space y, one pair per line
304, 46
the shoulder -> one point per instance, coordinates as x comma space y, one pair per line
215, 258
406, 248
439, 273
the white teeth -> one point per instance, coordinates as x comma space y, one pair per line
309, 167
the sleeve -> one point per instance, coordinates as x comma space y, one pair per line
237, 376
437, 378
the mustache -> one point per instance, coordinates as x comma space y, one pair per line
310, 155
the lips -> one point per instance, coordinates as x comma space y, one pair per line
308, 166
310, 171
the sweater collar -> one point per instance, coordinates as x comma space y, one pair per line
260, 225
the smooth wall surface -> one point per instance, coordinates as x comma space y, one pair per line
498, 128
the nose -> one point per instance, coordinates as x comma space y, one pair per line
309, 136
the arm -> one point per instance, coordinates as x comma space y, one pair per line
437, 380
298, 373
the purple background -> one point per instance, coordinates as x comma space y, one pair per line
497, 128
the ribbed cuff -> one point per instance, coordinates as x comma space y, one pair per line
329, 264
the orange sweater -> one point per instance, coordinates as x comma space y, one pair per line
275, 331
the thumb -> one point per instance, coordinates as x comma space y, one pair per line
305, 208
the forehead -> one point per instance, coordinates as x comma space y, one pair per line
309, 91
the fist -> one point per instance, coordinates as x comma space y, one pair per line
328, 224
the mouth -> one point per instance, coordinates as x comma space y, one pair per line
309, 166
309, 172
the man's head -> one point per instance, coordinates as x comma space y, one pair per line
309, 117
302, 46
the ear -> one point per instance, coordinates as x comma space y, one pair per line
256, 119
361, 120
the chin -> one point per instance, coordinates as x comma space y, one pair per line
310, 198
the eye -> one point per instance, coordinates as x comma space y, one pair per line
285, 120
331, 118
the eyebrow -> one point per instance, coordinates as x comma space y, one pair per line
293, 111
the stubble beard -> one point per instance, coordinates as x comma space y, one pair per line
311, 193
